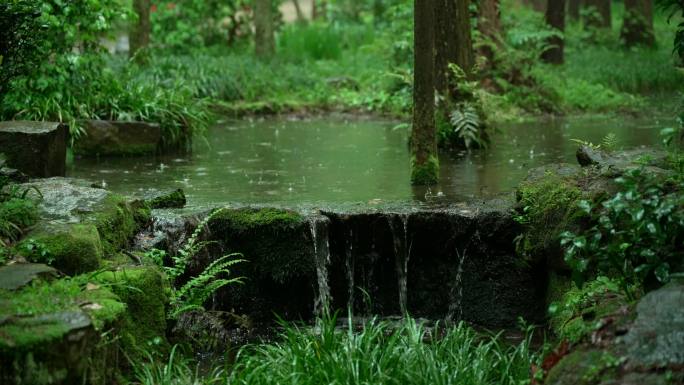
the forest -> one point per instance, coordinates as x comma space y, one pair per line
456, 192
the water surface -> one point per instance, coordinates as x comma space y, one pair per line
338, 159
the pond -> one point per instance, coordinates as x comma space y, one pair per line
342, 158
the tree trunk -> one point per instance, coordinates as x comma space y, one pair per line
598, 14
574, 9
453, 41
489, 25
298, 9
637, 25
424, 162
555, 18
139, 36
264, 40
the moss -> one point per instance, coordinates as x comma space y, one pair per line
246, 219
64, 296
73, 249
60, 332
426, 174
584, 368
548, 207
145, 292
117, 221
175, 199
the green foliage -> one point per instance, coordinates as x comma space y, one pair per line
578, 312
177, 370
384, 353
192, 294
310, 41
636, 235
181, 25
673, 7
17, 212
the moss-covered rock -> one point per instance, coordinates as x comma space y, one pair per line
425, 174
117, 220
584, 368
55, 333
71, 248
280, 268
145, 292
169, 200
547, 207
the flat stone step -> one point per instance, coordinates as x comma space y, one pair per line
37, 149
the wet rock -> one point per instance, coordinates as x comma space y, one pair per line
617, 162
54, 333
168, 231
37, 149
13, 175
167, 200
105, 138
18, 275
79, 224
656, 339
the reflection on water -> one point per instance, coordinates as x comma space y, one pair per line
333, 159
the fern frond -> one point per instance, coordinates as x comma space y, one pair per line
610, 142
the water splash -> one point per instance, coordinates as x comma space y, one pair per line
456, 304
402, 252
321, 245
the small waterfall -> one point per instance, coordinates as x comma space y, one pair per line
402, 252
321, 246
349, 264
456, 303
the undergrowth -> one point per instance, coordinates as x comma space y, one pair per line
380, 352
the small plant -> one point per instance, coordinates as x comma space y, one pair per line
194, 293
637, 234
36, 251
466, 124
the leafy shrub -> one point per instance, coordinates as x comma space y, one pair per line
637, 234
17, 212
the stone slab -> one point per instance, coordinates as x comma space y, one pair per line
35, 148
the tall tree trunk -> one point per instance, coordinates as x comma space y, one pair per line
574, 9
139, 36
298, 9
637, 25
555, 18
599, 15
489, 25
264, 40
453, 41
424, 162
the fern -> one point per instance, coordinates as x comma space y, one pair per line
194, 293
610, 142
466, 122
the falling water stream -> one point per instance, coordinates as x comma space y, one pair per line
456, 303
321, 246
402, 251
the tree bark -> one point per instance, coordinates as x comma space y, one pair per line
139, 36
298, 9
599, 15
555, 18
453, 41
574, 9
264, 40
424, 165
489, 25
637, 25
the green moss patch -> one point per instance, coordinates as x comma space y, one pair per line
547, 207
44, 312
426, 174
117, 221
174, 199
73, 249
144, 290
246, 219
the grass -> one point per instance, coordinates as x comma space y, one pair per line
379, 353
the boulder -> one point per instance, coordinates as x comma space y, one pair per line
112, 138
18, 275
174, 199
37, 149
